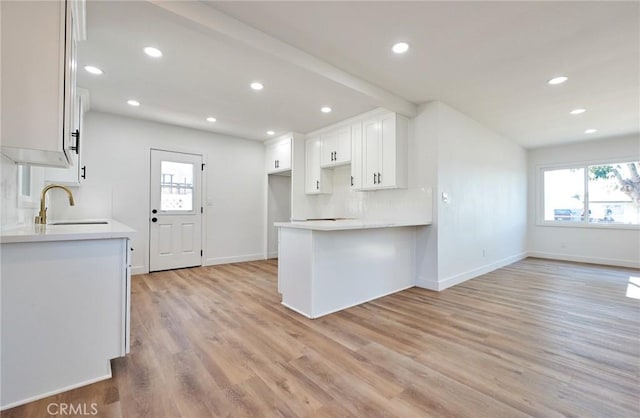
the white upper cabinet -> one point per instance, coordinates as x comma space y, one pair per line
356, 156
317, 180
384, 152
38, 80
336, 147
77, 172
278, 155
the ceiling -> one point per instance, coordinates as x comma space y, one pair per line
490, 60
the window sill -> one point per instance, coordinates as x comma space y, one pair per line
569, 224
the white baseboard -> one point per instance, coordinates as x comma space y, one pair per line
139, 270
445, 283
272, 254
234, 259
55, 392
584, 259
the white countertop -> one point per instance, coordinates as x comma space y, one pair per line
345, 224
39, 233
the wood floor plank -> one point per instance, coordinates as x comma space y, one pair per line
536, 338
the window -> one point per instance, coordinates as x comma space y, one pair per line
176, 187
30, 181
602, 194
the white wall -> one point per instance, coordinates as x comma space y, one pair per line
117, 155
593, 245
483, 225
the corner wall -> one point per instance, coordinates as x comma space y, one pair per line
482, 226
617, 247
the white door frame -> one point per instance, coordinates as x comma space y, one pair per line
204, 202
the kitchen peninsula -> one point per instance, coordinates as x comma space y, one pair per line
326, 266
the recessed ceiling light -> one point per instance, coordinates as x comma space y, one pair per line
211, 119
270, 133
325, 109
577, 111
558, 80
257, 86
152, 52
133, 103
93, 70
590, 131
400, 48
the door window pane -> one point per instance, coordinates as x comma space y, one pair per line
614, 193
176, 186
564, 195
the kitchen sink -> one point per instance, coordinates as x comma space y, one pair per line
80, 223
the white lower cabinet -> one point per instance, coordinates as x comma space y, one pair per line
65, 315
317, 181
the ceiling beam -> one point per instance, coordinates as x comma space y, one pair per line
214, 20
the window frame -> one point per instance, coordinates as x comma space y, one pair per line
541, 169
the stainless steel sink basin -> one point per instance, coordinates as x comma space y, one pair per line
80, 223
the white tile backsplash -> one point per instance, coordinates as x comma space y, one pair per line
394, 204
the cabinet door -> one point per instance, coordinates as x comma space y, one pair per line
343, 146
328, 149
371, 138
270, 158
36, 58
317, 180
356, 156
76, 173
283, 154
312, 150
387, 169
278, 156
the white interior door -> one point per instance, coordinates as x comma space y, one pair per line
175, 221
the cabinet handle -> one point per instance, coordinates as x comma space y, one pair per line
379, 181
351, 181
374, 179
84, 172
317, 184
275, 163
335, 155
76, 134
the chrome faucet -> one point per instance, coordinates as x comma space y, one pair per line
42, 216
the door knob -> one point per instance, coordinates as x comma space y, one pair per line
154, 219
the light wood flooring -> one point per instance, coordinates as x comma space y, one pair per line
537, 338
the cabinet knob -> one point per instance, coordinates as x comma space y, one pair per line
154, 219
154, 211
